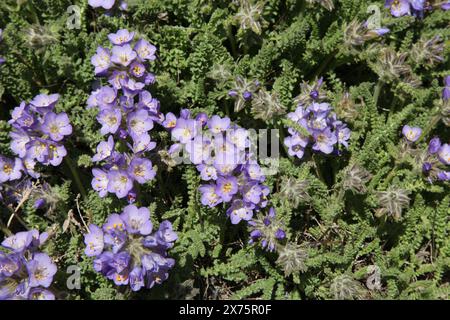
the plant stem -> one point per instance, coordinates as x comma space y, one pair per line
376, 92
75, 175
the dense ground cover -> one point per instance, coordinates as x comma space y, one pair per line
98, 98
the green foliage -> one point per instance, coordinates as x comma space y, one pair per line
334, 234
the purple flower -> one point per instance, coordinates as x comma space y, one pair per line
434, 145
426, 167
226, 187
56, 125
119, 182
137, 279
100, 182
444, 175
137, 69
296, 145
325, 140
444, 154
398, 7
104, 150
101, 60
123, 55
446, 6
138, 123
412, 134
446, 91
18, 242
238, 211
141, 170
202, 118
217, 124
40, 294
185, 130
137, 220
41, 270
209, 196
10, 169
207, 172
145, 50
105, 4
94, 241
110, 119
121, 37
44, 103
170, 121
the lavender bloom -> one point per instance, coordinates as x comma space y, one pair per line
185, 130
238, 211
446, 91
145, 50
101, 60
131, 254
137, 220
94, 241
209, 196
43, 103
104, 150
10, 169
119, 182
100, 182
123, 55
110, 119
121, 37
105, 4
296, 145
444, 176
227, 187
444, 154
446, 5
217, 124
434, 145
324, 141
412, 134
139, 123
56, 126
141, 170
40, 294
398, 7
41, 270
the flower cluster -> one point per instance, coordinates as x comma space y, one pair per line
221, 152
417, 8
38, 134
25, 273
316, 124
126, 112
108, 4
437, 157
127, 252
267, 230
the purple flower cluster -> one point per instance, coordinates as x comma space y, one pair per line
267, 230
220, 151
38, 134
417, 8
127, 113
127, 252
316, 125
438, 156
25, 273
